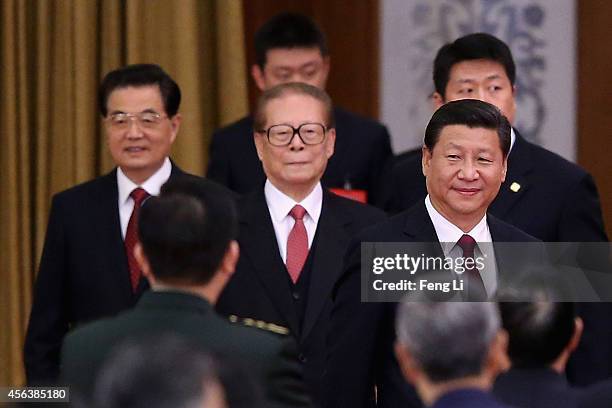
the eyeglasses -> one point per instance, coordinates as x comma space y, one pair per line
145, 120
282, 135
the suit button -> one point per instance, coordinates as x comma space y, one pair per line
296, 296
302, 358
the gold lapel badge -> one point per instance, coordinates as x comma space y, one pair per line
515, 187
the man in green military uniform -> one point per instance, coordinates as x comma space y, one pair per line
187, 252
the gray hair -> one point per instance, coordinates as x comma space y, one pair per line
448, 340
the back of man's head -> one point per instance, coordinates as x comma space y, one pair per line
538, 331
288, 30
167, 373
186, 231
471, 47
448, 340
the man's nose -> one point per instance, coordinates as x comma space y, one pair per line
134, 129
468, 171
296, 142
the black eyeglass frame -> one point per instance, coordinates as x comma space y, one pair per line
296, 131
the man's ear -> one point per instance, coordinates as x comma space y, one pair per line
175, 123
230, 258
143, 263
578, 329
497, 357
330, 143
437, 101
258, 76
425, 160
258, 138
406, 362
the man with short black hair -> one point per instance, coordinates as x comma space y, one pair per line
291, 48
451, 352
188, 252
542, 336
543, 194
87, 270
464, 160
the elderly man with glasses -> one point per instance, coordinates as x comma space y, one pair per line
88, 269
293, 232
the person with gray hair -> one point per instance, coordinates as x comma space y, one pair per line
451, 352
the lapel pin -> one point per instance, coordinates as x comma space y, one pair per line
515, 187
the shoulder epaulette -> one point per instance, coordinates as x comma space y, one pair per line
260, 324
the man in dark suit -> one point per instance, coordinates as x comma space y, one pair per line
466, 144
542, 336
544, 195
86, 272
187, 252
289, 265
291, 48
451, 352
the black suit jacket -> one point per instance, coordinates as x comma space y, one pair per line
362, 148
362, 334
468, 398
531, 388
545, 388
269, 359
83, 273
260, 289
557, 202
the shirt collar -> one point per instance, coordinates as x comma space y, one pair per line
448, 232
281, 204
152, 185
512, 139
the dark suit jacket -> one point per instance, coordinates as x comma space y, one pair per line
536, 388
269, 358
557, 202
467, 398
260, 289
362, 334
83, 272
362, 148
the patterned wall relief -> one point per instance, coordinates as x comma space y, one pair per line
518, 23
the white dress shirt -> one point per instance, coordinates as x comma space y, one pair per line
448, 235
280, 205
152, 186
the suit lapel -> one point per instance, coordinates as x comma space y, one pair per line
331, 241
259, 247
517, 182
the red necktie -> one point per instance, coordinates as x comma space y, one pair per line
297, 244
475, 286
131, 236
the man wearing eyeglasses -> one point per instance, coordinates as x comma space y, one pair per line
293, 232
88, 269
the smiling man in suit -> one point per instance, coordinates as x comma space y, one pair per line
293, 232
88, 270
544, 195
464, 160
291, 48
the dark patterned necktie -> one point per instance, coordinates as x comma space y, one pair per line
475, 285
131, 237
